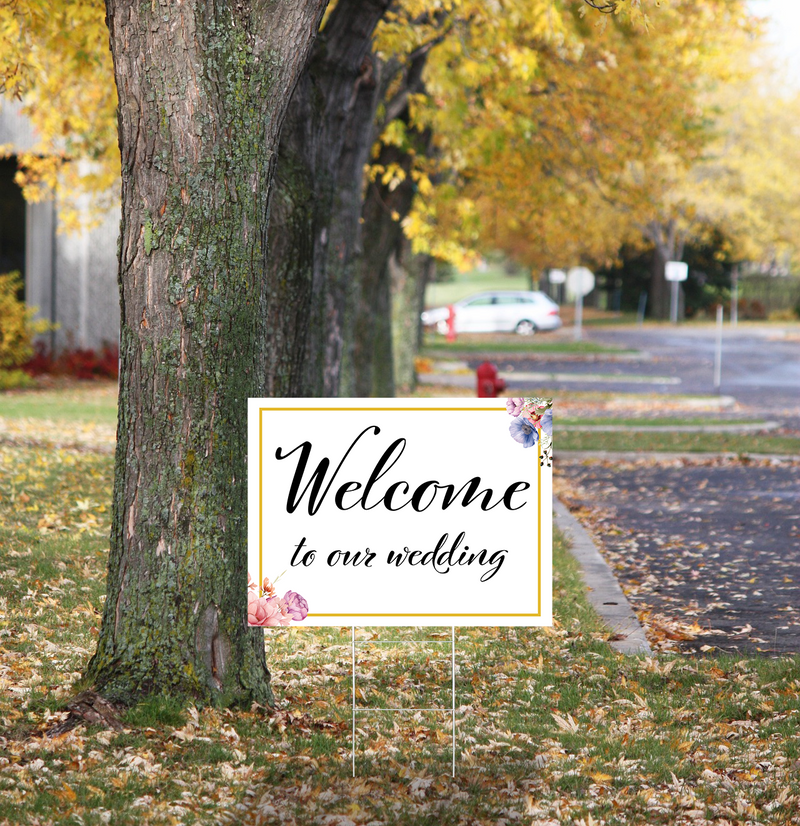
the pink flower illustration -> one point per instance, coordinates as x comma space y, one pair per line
285, 617
264, 611
270, 610
515, 406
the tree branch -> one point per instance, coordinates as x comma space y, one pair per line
603, 7
412, 82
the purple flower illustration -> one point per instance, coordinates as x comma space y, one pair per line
514, 406
523, 431
296, 605
547, 423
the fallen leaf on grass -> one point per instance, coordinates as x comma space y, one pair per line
567, 723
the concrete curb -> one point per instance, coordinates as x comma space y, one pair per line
605, 593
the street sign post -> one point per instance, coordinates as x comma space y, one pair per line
675, 271
557, 278
580, 282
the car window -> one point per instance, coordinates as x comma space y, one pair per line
516, 299
479, 302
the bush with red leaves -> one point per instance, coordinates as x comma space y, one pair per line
78, 363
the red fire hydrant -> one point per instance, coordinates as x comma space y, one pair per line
489, 384
451, 323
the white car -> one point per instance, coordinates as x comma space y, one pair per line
498, 312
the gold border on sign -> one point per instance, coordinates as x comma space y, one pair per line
261, 410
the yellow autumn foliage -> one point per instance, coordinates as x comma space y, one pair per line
17, 325
54, 58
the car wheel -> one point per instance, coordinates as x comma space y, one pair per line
525, 328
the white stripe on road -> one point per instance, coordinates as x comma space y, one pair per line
591, 378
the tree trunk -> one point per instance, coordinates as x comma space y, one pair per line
409, 277
203, 89
383, 211
658, 294
667, 246
314, 227
345, 237
373, 373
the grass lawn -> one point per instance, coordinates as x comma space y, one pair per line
553, 727
637, 438
437, 347
611, 319
659, 421
81, 402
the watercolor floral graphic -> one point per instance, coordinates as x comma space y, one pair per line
270, 610
533, 423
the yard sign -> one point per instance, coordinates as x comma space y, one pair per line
400, 511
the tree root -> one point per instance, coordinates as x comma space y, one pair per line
88, 707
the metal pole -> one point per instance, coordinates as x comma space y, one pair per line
453, 669
735, 296
578, 317
354, 699
642, 307
673, 305
718, 351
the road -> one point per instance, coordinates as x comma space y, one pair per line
760, 367
708, 542
757, 364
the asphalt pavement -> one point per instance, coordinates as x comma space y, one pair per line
760, 366
706, 548
707, 543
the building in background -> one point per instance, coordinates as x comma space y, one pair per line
70, 277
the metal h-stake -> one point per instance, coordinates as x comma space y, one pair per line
395, 642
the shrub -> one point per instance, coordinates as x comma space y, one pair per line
14, 379
17, 327
40, 362
88, 364
79, 363
785, 315
753, 310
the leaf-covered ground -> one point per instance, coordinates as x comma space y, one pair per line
707, 549
552, 726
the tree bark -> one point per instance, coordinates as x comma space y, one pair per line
315, 225
203, 89
383, 211
667, 246
345, 238
409, 276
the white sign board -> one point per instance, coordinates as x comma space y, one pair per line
557, 276
400, 511
580, 281
676, 271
